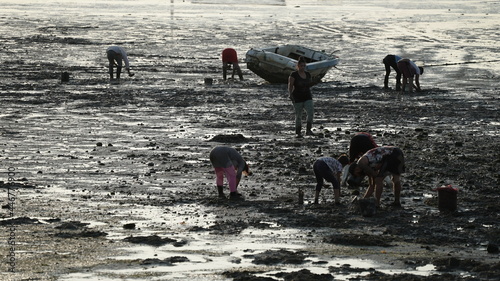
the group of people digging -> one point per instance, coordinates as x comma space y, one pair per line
365, 158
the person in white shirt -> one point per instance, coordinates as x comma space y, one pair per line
409, 69
115, 56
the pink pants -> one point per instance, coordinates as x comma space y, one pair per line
230, 175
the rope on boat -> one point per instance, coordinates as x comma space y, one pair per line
429, 65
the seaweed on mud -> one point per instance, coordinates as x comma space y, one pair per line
81, 234
54, 39
348, 269
65, 28
359, 240
380, 276
15, 185
246, 276
228, 227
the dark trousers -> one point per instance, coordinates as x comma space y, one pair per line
113, 58
390, 62
393, 163
322, 171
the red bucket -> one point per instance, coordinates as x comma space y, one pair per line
447, 196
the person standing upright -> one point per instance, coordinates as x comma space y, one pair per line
299, 90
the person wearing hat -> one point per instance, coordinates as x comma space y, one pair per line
409, 70
329, 169
377, 163
230, 58
391, 61
227, 161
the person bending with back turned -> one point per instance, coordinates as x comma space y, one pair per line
115, 56
227, 161
378, 163
409, 70
230, 58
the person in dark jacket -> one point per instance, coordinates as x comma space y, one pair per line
299, 90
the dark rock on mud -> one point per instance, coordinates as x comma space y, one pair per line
367, 207
153, 240
305, 275
167, 261
81, 234
129, 226
236, 138
359, 240
281, 256
492, 248
72, 225
21, 220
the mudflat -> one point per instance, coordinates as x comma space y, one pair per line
111, 181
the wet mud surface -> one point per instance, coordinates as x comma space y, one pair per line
113, 181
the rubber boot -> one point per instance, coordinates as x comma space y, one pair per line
240, 74
308, 129
235, 196
298, 131
220, 189
398, 86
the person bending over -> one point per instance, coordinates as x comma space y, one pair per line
391, 61
230, 58
227, 161
329, 169
116, 55
377, 163
409, 70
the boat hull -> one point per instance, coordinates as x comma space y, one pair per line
275, 64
